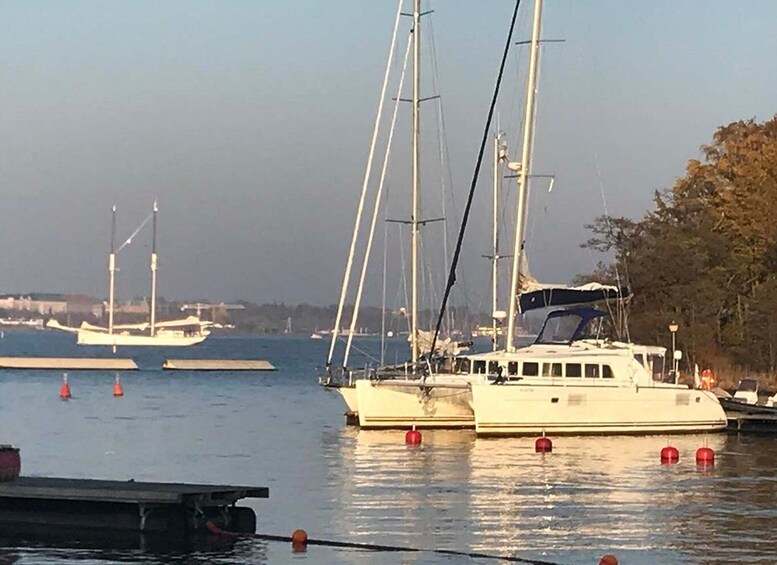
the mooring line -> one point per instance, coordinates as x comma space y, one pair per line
398, 548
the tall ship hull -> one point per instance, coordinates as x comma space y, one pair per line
158, 340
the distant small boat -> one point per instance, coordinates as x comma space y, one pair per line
316, 335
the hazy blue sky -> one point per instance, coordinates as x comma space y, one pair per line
250, 121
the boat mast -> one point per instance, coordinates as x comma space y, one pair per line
112, 271
153, 273
416, 171
495, 245
523, 178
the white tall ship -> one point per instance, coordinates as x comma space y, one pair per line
571, 380
172, 333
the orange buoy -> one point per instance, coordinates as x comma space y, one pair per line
118, 390
670, 454
299, 541
413, 437
64, 390
608, 559
705, 456
543, 445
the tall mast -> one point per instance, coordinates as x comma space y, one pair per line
523, 179
416, 179
153, 273
112, 271
495, 245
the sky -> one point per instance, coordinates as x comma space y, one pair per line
250, 122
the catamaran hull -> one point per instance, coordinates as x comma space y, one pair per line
514, 410
384, 404
98, 338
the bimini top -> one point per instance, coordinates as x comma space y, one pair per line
566, 326
545, 296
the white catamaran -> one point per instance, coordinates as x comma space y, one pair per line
171, 333
571, 380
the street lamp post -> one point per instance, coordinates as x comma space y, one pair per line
673, 327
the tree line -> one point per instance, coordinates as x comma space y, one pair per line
706, 256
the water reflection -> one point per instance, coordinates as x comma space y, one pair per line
591, 495
41, 545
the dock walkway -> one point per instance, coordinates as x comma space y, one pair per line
217, 365
175, 509
69, 363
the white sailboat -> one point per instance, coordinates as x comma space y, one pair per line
441, 399
171, 333
569, 381
342, 379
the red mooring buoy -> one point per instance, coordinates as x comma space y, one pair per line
64, 390
413, 437
118, 390
299, 541
670, 454
543, 445
608, 559
705, 456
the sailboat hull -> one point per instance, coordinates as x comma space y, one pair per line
387, 404
514, 410
159, 340
347, 394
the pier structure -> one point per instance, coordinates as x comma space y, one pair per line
175, 510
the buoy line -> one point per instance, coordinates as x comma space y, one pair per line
397, 548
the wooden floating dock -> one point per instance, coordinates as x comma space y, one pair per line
172, 509
740, 422
69, 363
218, 365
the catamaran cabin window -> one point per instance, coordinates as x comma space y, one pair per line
607, 372
657, 366
462, 366
551, 369
493, 367
591, 371
512, 368
640, 358
574, 370
479, 367
531, 369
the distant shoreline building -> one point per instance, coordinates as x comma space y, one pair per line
51, 304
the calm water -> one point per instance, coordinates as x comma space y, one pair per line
589, 497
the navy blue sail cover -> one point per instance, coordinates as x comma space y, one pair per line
566, 296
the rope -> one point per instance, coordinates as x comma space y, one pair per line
365, 183
136, 232
386, 548
376, 209
362, 351
476, 174
620, 320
